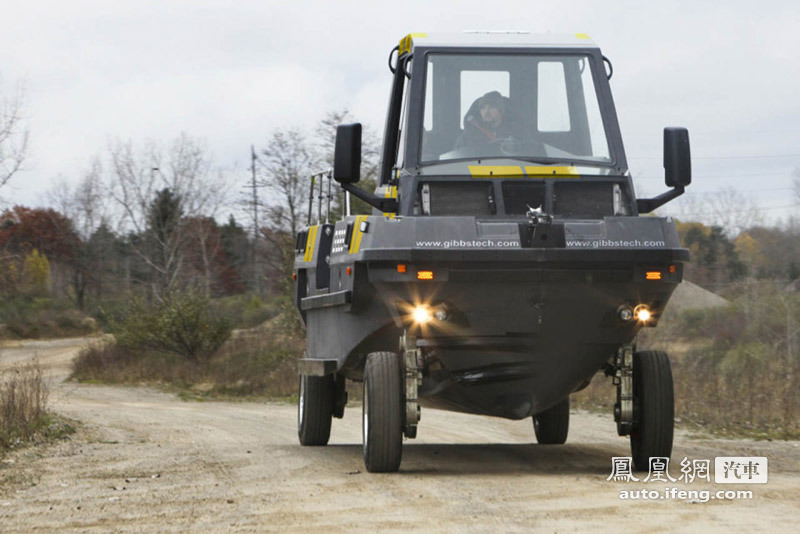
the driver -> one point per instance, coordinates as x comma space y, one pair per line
487, 122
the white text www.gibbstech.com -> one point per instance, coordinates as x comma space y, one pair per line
682, 494
614, 243
468, 243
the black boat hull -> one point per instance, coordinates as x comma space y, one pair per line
518, 338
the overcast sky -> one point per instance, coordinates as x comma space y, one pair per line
232, 72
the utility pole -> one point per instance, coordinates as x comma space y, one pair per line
254, 187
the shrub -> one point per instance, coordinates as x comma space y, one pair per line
258, 362
179, 324
244, 311
33, 317
36, 273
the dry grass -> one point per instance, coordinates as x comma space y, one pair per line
31, 318
23, 407
255, 363
736, 370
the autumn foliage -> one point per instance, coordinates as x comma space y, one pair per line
46, 230
31, 241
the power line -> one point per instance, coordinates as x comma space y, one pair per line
760, 208
716, 176
710, 133
709, 176
765, 190
749, 156
717, 192
769, 178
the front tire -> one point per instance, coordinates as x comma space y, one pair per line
653, 408
382, 416
552, 425
315, 407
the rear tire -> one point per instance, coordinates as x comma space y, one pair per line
552, 425
382, 416
315, 409
653, 408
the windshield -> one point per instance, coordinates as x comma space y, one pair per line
503, 105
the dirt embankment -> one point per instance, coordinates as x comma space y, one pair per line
147, 461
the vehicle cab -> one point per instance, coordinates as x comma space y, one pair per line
556, 146
556, 123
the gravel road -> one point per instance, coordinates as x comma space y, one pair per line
146, 461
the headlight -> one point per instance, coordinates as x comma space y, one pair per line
440, 313
643, 313
422, 314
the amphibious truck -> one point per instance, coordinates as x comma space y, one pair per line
506, 261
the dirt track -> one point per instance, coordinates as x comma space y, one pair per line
147, 461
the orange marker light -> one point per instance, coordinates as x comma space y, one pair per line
671, 268
424, 275
294, 276
653, 275
401, 267
349, 271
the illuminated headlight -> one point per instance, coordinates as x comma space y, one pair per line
422, 314
642, 313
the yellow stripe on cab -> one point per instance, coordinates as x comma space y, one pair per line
549, 171
496, 171
530, 171
355, 241
390, 192
312, 238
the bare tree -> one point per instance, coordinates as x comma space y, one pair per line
85, 205
325, 136
287, 163
155, 190
326, 140
796, 184
727, 207
13, 134
734, 211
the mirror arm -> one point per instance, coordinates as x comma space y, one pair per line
381, 204
646, 205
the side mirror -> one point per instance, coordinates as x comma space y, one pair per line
677, 159
347, 154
